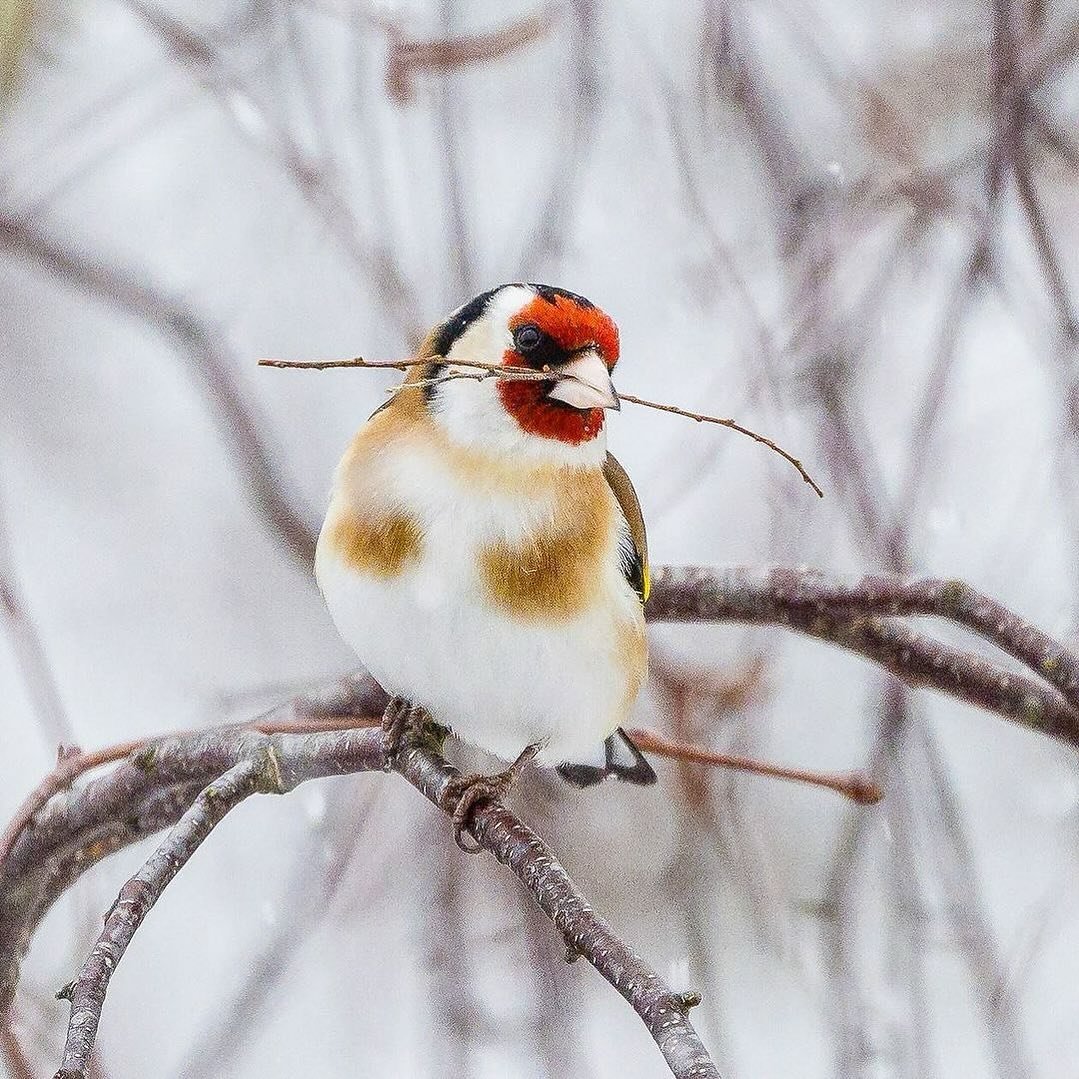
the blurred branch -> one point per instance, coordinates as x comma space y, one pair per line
452, 123
551, 226
12, 1053
313, 180
957, 869
409, 56
210, 360
29, 652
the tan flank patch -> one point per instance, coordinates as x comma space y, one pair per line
633, 658
555, 573
380, 546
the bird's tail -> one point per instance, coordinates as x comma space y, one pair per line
620, 758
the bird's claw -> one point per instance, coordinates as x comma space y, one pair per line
401, 722
470, 791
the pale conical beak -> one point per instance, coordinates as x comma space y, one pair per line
585, 383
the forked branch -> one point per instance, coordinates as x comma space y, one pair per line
190, 781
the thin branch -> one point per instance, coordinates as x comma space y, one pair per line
702, 418
142, 891
484, 371
857, 788
854, 617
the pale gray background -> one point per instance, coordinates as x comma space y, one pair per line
777, 202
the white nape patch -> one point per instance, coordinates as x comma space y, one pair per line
472, 413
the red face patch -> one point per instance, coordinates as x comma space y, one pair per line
571, 326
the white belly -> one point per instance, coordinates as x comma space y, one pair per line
433, 635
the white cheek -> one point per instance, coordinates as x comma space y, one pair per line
471, 412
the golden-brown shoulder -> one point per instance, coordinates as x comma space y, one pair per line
553, 573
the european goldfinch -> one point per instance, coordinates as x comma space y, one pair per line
485, 555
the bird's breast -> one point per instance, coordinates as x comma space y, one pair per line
540, 550
501, 606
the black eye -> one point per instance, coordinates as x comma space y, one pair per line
527, 338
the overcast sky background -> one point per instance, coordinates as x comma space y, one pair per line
778, 203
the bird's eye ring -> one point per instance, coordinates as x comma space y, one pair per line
527, 338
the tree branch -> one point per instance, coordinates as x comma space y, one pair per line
857, 616
441, 55
230, 765
195, 778
142, 891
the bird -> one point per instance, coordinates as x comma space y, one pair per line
485, 555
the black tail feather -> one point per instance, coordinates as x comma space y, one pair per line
622, 759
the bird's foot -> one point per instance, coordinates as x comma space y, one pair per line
403, 723
471, 790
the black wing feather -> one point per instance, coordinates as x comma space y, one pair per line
587, 775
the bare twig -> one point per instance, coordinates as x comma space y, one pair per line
702, 418
855, 787
484, 371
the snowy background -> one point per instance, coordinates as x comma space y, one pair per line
823, 219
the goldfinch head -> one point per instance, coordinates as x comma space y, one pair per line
543, 328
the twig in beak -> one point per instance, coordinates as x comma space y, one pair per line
480, 372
